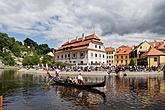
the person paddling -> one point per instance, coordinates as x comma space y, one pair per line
80, 79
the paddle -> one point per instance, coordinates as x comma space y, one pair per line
48, 83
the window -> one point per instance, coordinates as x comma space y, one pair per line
112, 56
126, 57
140, 47
68, 55
95, 46
65, 56
155, 59
95, 54
117, 61
81, 62
91, 54
126, 61
91, 62
74, 55
117, 57
107, 57
121, 61
62, 56
57, 57
81, 54
74, 62
100, 55
99, 47
121, 57
103, 55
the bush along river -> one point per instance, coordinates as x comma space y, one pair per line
30, 92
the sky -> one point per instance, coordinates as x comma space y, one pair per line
116, 22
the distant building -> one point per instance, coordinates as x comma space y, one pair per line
122, 55
144, 47
50, 54
87, 50
110, 52
154, 57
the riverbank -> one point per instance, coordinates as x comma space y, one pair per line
93, 73
8, 67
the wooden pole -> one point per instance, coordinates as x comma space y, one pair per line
1, 102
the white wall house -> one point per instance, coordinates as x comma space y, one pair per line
110, 52
87, 50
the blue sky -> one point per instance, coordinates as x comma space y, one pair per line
116, 22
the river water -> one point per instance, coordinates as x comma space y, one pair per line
30, 92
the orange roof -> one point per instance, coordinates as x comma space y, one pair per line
123, 50
155, 44
153, 52
75, 43
109, 49
77, 48
162, 46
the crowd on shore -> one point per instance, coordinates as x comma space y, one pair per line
108, 69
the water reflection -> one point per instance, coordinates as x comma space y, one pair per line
136, 92
90, 98
25, 91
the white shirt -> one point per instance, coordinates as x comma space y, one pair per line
80, 77
57, 70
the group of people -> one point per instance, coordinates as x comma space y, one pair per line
76, 80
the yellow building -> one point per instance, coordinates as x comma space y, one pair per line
154, 57
122, 55
144, 47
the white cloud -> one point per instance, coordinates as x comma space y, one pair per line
120, 21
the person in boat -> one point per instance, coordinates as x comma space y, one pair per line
57, 73
80, 79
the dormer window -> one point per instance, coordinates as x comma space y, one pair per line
124, 51
140, 47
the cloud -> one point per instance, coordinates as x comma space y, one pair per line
116, 21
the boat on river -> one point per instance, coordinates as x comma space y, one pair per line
85, 85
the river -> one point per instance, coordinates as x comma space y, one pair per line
30, 92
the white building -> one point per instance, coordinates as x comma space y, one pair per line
110, 52
87, 50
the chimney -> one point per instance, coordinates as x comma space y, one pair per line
76, 37
164, 41
83, 36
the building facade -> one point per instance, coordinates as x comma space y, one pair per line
110, 52
122, 56
87, 50
143, 48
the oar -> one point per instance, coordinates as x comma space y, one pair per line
49, 81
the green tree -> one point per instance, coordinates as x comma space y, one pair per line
31, 60
132, 62
48, 59
31, 43
7, 59
43, 49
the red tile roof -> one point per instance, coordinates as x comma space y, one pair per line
153, 52
123, 50
109, 49
79, 42
155, 44
162, 46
